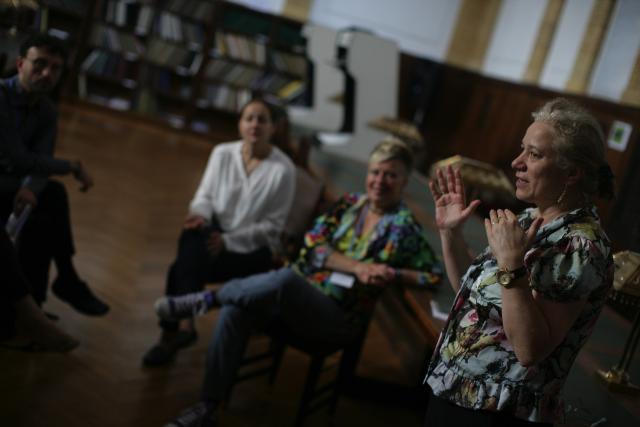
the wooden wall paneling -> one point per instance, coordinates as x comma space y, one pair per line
590, 47
485, 119
472, 33
543, 41
631, 94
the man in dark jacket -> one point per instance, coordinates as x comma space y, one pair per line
28, 127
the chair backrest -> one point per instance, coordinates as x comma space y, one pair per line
307, 196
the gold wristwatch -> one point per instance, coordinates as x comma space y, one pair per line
506, 277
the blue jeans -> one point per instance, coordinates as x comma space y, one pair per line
195, 266
256, 302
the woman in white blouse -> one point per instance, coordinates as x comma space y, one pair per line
235, 219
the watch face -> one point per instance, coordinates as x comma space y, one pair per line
505, 277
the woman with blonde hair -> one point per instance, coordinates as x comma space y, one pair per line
527, 304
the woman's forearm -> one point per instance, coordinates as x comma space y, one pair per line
524, 323
456, 255
339, 262
534, 325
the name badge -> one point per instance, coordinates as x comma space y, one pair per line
342, 280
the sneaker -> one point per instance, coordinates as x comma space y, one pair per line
79, 296
184, 306
165, 351
199, 415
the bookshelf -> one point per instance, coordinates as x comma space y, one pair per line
251, 53
189, 63
15, 25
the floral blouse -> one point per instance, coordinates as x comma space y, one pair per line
474, 365
397, 240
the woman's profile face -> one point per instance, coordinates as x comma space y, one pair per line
255, 124
385, 183
539, 180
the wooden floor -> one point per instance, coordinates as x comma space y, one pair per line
126, 230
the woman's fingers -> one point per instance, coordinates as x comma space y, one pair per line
451, 186
449, 180
459, 184
434, 190
442, 183
493, 217
510, 215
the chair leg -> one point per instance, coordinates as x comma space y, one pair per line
315, 368
278, 348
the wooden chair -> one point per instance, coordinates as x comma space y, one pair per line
314, 397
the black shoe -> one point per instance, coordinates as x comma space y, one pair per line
51, 316
165, 351
79, 296
199, 415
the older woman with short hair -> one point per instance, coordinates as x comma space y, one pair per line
372, 239
527, 303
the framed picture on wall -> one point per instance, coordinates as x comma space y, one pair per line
619, 135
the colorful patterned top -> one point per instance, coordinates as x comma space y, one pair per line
397, 240
474, 365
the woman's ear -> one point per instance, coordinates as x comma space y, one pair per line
575, 175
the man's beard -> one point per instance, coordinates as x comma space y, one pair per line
41, 86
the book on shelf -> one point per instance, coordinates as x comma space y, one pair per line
234, 73
178, 58
110, 64
248, 76
143, 23
223, 97
291, 90
240, 47
272, 82
59, 33
116, 41
198, 10
194, 35
289, 63
121, 13
216, 68
169, 27
133, 14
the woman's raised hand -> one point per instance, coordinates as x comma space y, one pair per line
448, 194
508, 241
